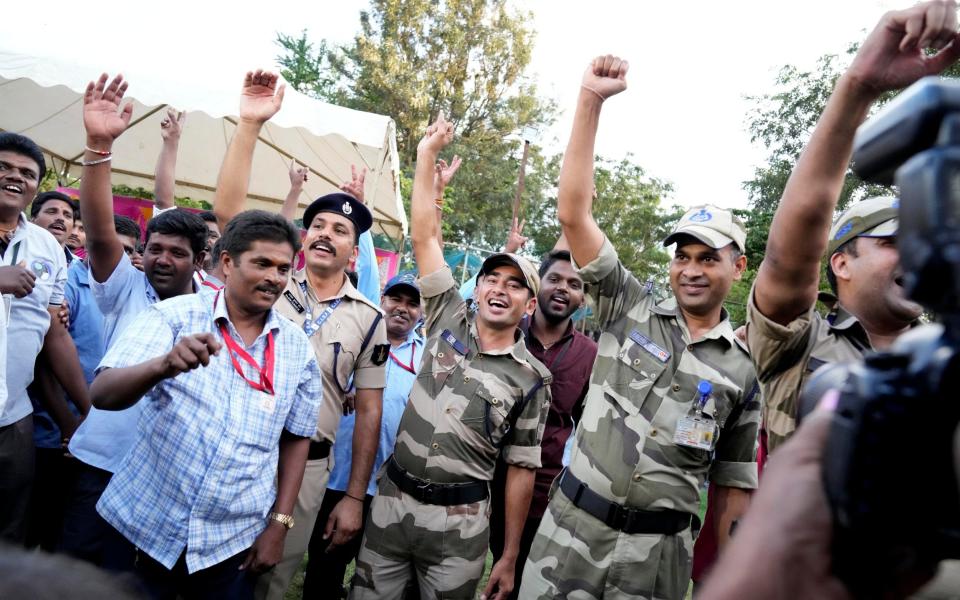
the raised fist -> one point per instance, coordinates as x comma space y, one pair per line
606, 76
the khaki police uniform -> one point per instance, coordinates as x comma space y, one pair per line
337, 344
467, 408
621, 520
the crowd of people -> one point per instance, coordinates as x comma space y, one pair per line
197, 415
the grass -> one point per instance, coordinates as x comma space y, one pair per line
295, 591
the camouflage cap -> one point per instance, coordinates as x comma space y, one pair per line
873, 217
714, 226
530, 275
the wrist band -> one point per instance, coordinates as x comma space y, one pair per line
438, 202
99, 161
353, 497
590, 89
98, 152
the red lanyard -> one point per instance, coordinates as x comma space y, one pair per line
266, 372
413, 349
211, 285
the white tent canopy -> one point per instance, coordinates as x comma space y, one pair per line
42, 98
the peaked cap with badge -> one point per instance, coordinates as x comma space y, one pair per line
873, 217
341, 204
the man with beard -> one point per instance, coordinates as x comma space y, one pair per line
231, 393
32, 280
57, 213
173, 250
787, 338
402, 312
670, 398
480, 395
345, 329
554, 341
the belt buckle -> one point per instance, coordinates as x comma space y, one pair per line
427, 489
618, 516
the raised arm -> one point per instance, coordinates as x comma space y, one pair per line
891, 57
298, 175
104, 121
441, 178
165, 176
605, 77
260, 99
424, 226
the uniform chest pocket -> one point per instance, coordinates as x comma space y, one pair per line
635, 370
443, 361
487, 409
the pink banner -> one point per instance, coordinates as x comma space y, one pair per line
388, 263
138, 209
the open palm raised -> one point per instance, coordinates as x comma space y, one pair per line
260, 97
103, 118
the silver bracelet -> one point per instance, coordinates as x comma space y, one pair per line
99, 161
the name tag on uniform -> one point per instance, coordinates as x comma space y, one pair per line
648, 345
696, 432
293, 301
266, 402
451, 339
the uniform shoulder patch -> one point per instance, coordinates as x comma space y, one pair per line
293, 301
380, 354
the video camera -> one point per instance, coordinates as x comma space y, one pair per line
889, 471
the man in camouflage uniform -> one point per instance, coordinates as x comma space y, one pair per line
787, 338
622, 518
479, 395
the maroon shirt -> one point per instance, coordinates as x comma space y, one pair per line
570, 360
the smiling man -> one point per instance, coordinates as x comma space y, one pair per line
231, 392
57, 213
345, 329
174, 249
32, 280
480, 395
670, 398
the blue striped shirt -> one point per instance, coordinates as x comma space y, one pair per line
201, 475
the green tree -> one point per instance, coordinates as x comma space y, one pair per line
467, 58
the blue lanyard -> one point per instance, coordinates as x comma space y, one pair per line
311, 325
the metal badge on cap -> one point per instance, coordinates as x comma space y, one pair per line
347, 209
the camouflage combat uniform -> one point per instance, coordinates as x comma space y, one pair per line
786, 355
454, 427
645, 378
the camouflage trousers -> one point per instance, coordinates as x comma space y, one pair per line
576, 556
446, 546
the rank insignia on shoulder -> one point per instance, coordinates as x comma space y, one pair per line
451, 339
380, 354
293, 301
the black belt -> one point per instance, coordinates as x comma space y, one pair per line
627, 520
441, 494
319, 450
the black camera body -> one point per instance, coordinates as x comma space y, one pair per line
889, 471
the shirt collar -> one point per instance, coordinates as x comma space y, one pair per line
220, 312
412, 338
722, 330
347, 289
526, 326
518, 350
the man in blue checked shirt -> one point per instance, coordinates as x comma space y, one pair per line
402, 313
228, 389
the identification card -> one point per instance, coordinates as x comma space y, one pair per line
267, 402
696, 432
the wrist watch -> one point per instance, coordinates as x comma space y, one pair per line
285, 520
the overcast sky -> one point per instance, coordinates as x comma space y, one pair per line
691, 63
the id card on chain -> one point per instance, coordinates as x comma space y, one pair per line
695, 431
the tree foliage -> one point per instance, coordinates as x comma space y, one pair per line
468, 58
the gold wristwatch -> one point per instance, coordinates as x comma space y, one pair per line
285, 520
